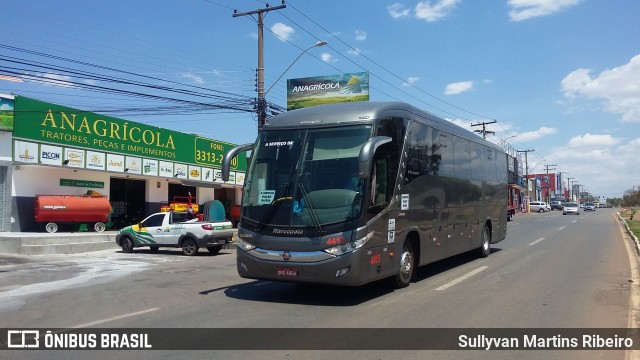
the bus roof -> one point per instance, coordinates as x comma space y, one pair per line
359, 113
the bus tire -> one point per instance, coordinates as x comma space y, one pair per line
485, 246
407, 266
189, 247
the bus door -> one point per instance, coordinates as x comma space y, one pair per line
384, 177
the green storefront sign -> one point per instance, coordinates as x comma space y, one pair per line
45, 122
82, 183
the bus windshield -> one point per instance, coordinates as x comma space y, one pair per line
305, 178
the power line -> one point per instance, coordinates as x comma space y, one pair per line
384, 68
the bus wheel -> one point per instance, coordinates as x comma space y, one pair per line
407, 266
189, 247
485, 248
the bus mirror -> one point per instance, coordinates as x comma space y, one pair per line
365, 159
226, 160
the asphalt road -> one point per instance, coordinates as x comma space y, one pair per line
552, 271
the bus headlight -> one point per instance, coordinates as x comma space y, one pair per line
244, 245
349, 247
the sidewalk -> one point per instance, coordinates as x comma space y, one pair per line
42, 243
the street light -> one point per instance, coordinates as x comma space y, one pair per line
504, 144
318, 44
538, 164
505, 140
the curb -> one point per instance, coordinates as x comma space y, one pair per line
635, 239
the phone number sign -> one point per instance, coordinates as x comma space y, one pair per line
210, 153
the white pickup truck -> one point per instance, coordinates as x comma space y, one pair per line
174, 229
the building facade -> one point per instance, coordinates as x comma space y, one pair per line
50, 149
546, 187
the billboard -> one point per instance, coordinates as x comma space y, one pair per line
319, 90
6, 112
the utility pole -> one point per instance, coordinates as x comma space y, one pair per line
261, 106
547, 170
526, 170
569, 187
484, 130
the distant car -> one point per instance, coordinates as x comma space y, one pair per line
556, 205
589, 207
571, 208
539, 206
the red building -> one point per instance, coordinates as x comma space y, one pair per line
545, 187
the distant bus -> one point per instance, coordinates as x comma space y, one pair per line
352, 193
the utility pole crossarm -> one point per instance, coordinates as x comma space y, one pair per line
484, 130
267, 9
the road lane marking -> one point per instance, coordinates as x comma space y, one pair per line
536, 241
574, 221
462, 278
562, 228
114, 318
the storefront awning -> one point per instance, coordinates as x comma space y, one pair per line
201, 184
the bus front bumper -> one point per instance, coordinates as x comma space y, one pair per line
350, 269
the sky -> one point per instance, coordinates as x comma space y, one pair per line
559, 77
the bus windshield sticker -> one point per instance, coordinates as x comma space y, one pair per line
404, 202
298, 206
391, 237
279, 143
266, 197
392, 224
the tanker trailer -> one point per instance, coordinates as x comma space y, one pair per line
51, 210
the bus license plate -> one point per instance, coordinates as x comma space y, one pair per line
287, 271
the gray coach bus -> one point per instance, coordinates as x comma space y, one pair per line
350, 193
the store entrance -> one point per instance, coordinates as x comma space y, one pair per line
127, 198
227, 197
181, 190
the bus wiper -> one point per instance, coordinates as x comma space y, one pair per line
271, 210
312, 211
